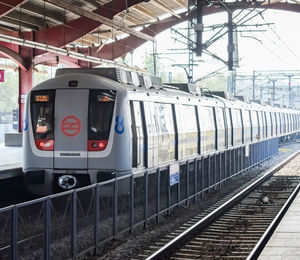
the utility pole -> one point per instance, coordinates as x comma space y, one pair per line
230, 47
290, 90
190, 44
273, 90
253, 85
261, 93
199, 27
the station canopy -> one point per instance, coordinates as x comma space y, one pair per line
107, 28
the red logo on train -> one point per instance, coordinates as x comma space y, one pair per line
70, 126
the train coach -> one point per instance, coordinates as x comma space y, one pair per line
91, 125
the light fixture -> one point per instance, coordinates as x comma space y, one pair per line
61, 51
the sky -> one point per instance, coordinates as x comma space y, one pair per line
274, 47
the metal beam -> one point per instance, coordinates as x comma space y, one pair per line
27, 19
54, 58
230, 47
41, 12
100, 18
6, 6
163, 6
71, 31
145, 12
182, 3
199, 27
128, 44
129, 18
18, 23
8, 53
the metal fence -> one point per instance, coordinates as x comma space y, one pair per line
70, 224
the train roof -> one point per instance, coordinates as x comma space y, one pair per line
141, 84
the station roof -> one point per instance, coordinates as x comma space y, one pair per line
116, 17
101, 28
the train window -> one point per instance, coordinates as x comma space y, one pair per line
42, 114
291, 122
247, 126
269, 124
294, 122
166, 132
180, 133
190, 129
152, 134
229, 126
237, 126
207, 129
261, 125
137, 134
220, 127
283, 120
100, 113
280, 121
274, 122
287, 123
277, 122
255, 126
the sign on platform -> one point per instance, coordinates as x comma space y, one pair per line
247, 151
1, 75
23, 98
174, 174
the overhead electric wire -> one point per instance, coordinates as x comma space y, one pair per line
284, 43
214, 39
273, 52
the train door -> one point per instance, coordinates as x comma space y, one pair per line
152, 134
138, 145
70, 133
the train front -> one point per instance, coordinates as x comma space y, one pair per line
76, 133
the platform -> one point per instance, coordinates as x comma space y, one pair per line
285, 241
10, 161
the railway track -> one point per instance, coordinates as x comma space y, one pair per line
234, 228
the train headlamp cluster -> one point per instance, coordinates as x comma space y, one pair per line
45, 145
93, 145
97, 145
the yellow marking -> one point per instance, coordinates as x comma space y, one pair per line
285, 150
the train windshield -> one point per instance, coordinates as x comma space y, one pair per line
101, 107
42, 114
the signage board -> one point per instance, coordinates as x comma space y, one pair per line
174, 174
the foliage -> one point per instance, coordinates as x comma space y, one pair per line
42, 73
214, 83
9, 91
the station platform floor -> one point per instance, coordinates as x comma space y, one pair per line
285, 241
10, 158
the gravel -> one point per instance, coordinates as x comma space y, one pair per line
128, 246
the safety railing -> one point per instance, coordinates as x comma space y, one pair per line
70, 224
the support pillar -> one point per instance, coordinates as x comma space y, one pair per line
273, 90
230, 48
290, 91
25, 77
199, 27
253, 85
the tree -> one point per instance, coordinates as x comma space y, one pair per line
9, 91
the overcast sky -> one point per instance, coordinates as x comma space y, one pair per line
274, 48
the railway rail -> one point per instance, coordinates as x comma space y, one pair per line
239, 228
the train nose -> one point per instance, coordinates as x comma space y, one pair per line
67, 182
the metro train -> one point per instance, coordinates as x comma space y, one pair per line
91, 125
